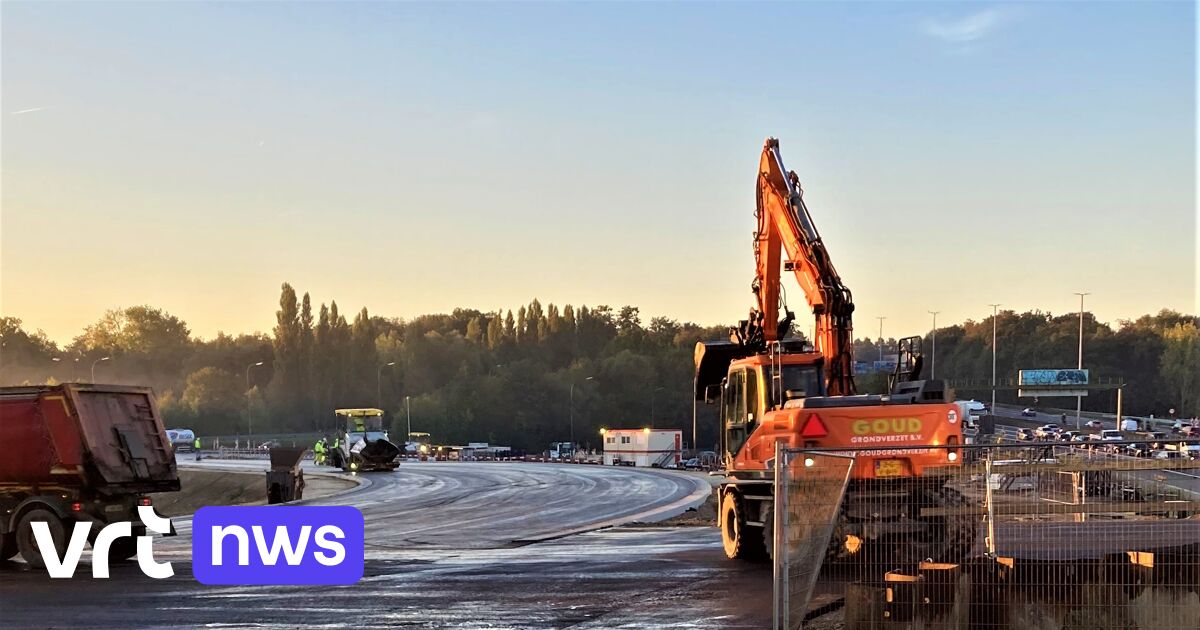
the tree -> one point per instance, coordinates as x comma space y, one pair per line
1181, 366
287, 384
148, 346
495, 332
24, 355
215, 400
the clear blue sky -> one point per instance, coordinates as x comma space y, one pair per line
416, 157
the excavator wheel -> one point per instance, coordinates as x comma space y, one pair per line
960, 530
768, 531
948, 539
741, 541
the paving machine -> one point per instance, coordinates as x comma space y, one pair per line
773, 388
364, 445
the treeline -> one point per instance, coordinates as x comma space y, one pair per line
1157, 357
503, 376
509, 377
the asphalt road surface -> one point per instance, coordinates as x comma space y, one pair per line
484, 545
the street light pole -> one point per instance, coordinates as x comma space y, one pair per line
408, 412
94, 367
379, 384
933, 354
249, 411
995, 312
656, 390
1079, 399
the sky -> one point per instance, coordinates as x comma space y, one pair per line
413, 158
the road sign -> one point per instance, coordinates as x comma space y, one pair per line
1065, 382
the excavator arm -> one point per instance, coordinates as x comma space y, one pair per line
785, 226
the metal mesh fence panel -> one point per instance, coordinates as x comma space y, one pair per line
1095, 534
808, 496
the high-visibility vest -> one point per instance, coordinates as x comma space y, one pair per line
319, 447
335, 442
197, 443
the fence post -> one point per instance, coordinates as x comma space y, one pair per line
779, 551
991, 507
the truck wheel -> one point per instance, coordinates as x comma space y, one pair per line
740, 540
123, 548
28, 544
8, 546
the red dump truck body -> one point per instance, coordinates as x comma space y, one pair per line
106, 437
79, 452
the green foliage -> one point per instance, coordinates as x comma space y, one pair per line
1181, 364
24, 355
214, 400
146, 345
510, 378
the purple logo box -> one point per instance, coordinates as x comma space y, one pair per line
297, 544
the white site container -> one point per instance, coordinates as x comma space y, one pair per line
643, 447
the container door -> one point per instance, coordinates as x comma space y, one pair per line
124, 435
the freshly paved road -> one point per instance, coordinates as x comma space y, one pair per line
494, 545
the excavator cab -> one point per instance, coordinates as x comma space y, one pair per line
751, 386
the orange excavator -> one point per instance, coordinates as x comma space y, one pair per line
778, 388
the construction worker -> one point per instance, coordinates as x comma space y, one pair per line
196, 447
319, 452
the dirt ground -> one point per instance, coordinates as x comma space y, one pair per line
217, 487
703, 516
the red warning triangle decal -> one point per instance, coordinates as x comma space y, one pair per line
813, 427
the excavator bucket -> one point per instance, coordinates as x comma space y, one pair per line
712, 363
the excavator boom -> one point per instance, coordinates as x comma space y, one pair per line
785, 226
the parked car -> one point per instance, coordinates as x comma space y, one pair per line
1081, 437
1025, 435
1111, 435
1068, 436
1028, 412
1093, 424
1168, 455
1137, 450
1045, 431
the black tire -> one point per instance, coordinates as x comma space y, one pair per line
8, 546
946, 539
26, 542
841, 548
768, 531
741, 541
123, 549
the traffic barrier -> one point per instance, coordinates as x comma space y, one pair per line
990, 535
